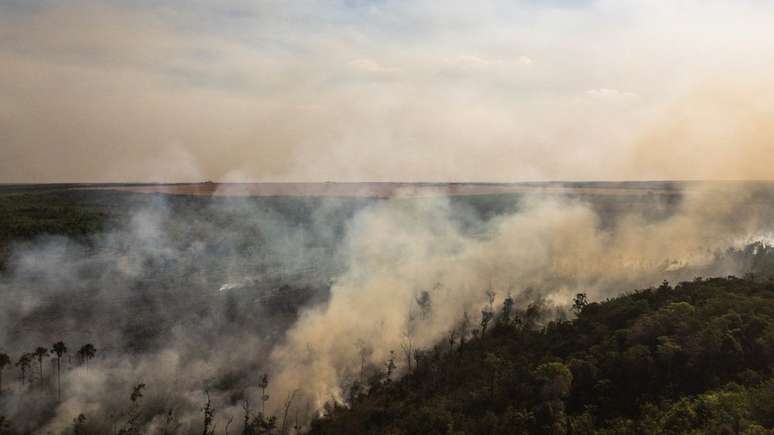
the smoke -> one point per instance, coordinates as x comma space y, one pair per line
718, 130
186, 295
201, 295
552, 249
197, 296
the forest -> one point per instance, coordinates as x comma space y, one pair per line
694, 358
126, 313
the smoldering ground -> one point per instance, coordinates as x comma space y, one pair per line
207, 297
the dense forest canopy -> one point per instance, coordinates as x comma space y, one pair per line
693, 358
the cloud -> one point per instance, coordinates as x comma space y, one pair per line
474, 62
371, 66
468, 61
97, 91
611, 94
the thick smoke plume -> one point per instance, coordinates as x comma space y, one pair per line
202, 298
552, 249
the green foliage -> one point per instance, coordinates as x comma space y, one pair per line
696, 358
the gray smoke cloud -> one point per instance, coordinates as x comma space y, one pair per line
185, 298
551, 249
202, 295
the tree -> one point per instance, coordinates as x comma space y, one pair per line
579, 303
487, 314
86, 353
288, 403
493, 364
23, 364
263, 385
59, 349
39, 354
407, 346
555, 380
132, 426
425, 305
209, 416
390, 365
170, 422
5, 361
505, 317
246, 409
365, 354
486, 317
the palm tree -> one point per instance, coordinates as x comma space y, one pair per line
59, 349
23, 364
5, 361
87, 352
39, 354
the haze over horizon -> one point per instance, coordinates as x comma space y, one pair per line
100, 91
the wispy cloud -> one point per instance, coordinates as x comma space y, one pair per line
98, 90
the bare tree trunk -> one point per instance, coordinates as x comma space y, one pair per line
285, 414
59, 378
228, 424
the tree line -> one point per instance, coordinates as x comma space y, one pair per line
30, 364
697, 357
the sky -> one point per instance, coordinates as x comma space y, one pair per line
385, 90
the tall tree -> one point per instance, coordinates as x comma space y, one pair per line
39, 354
263, 385
59, 349
425, 304
209, 416
579, 303
487, 314
507, 313
132, 425
5, 361
390, 365
23, 364
86, 353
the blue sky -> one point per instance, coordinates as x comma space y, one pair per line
381, 90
